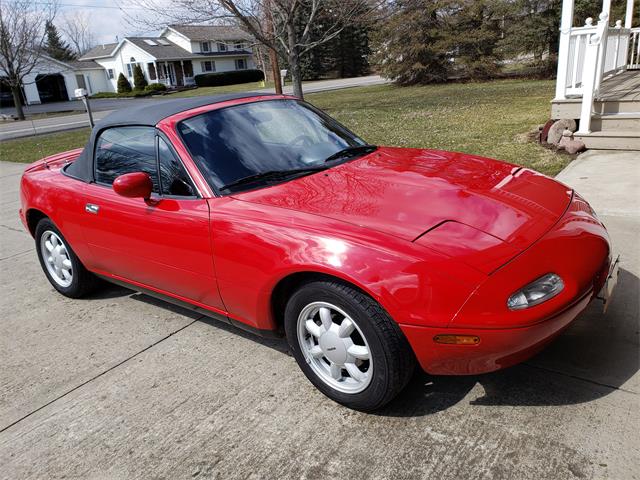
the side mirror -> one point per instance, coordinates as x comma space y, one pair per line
133, 185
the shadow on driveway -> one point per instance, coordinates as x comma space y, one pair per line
594, 357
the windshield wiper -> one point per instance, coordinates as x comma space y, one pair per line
271, 175
351, 152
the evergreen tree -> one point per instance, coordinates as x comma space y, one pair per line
54, 46
472, 35
345, 55
123, 84
410, 45
139, 82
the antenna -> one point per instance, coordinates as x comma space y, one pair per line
35, 134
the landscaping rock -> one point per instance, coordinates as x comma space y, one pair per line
570, 145
557, 129
574, 146
544, 131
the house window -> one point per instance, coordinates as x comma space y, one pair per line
222, 47
130, 69
241, 64
208, 66
239, 45
204, 46
110, 73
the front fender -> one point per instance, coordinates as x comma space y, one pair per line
256, 246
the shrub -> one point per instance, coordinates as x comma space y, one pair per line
155, 87
123, 84
105, 95
139, 82
232, 77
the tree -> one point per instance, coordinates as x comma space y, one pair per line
123, 84
531, 27
139, 82
346, 54
54, 46
22, 37
472, 35
77, 29
293, 21
410, 45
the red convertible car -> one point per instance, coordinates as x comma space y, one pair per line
262, 211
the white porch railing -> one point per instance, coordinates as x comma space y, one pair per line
634, 49
578, 38
616, 54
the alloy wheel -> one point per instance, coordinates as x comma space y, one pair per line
335, 347
56, 258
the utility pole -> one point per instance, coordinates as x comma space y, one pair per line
273, 55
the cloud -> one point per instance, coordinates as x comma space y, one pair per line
108, 18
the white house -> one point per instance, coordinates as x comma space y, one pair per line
174, 57
53, 80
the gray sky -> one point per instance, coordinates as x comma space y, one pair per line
107, 17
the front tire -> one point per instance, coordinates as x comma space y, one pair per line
60, 264
347, 345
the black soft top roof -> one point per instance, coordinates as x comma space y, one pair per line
148, 114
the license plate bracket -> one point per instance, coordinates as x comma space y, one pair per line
610, 283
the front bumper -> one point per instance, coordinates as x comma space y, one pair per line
577, 248
498, 348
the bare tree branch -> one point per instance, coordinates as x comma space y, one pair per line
22, 37
77, 28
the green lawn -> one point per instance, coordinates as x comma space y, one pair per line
490, 119
243, 87
30, 149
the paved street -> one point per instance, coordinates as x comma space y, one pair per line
103, 106
123, 386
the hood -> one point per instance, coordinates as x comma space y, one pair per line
407, 192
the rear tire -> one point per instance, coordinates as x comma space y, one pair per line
347, 345
62, 267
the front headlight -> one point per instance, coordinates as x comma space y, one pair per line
541, 290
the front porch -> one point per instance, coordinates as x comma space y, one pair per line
172, 73
598, 82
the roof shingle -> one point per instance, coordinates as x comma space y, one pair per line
211, 32
104, 50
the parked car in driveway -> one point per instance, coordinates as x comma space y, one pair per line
264, 212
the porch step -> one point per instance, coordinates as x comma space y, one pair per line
570, 108
618, 122
611, 140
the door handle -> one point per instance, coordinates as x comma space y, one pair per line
91, 208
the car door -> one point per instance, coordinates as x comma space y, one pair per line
162, 243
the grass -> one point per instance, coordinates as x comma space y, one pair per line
242, 87
490, 119
30, 149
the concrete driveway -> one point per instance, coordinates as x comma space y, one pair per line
123, 386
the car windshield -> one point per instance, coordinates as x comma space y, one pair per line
253, 144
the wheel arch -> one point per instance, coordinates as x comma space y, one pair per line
287, 285
33, 217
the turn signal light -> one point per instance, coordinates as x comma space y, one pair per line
457, 339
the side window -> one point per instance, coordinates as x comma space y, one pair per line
173, 177
123, 150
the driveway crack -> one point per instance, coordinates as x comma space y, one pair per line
131, 357
576, 377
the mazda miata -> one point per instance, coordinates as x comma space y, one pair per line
264, 212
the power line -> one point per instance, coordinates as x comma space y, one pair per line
76, 5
